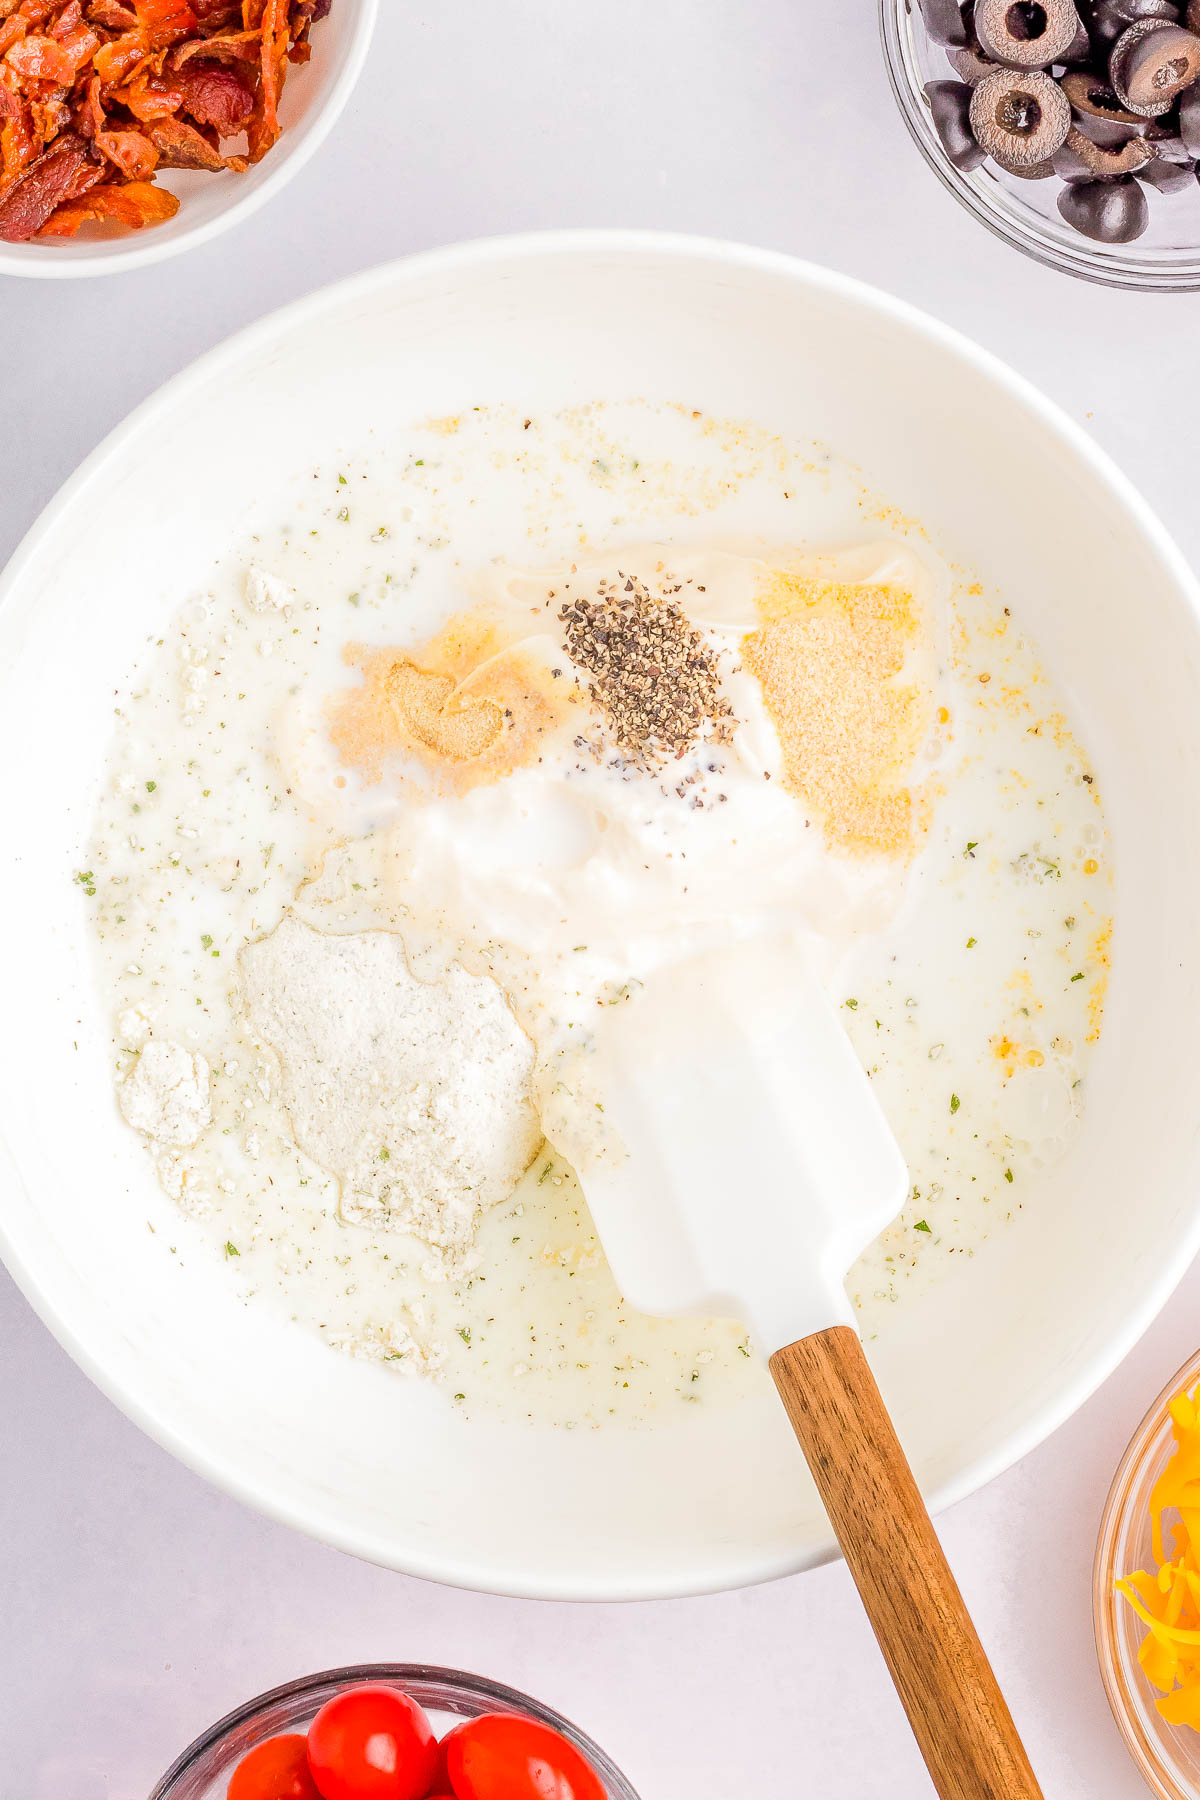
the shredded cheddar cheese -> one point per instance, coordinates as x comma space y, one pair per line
1168, 1601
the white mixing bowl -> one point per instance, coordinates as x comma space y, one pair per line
985, 1365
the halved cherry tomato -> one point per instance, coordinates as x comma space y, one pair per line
372, 1743
501, 1757
276, 1770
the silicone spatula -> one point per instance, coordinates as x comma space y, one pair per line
755, 1167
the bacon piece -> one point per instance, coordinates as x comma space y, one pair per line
80, 44
131, 151
27, 15
68, 20
116, 61
181, 146
111, 15
41, 187
133, 205
50, 114
37, 58
163, 19
263, 128
233, 46
214, 94
18, 147
90, 120
149, 97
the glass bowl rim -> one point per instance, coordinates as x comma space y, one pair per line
1115, 265
1116, 1678
492, 1695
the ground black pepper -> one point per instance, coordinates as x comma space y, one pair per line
654, 678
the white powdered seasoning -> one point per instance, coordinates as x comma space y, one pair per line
414, 1094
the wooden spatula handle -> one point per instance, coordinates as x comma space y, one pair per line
943, 1677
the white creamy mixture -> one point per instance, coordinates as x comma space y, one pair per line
354, 963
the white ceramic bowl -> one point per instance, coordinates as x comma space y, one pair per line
313, 97
989, 1362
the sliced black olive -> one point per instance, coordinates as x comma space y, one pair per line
1026, 34
970, 64
1079, 159
1170, 148
1092, 98
1113, 212
1168, 177
1151, 64
1078, 50
1019, 118
1110, 18
1189, 121
950, 104
943, 21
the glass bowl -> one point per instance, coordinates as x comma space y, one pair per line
204, 1769
1025, 213
1167, 1755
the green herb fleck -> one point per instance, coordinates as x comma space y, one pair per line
955, 1103
1078, 976
206, 942
1008, 1175
852, 1005
546, 1173
971, 943
385, 1154
231, 1249
464, 1332
344, 515
971, 848
354, 599
922, 1226
87, 881
150, 786
341, 481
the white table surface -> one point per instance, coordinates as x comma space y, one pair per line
137, 1604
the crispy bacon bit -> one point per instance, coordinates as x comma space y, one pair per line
131, 151
182, 146
263, 129
50, 114
234, 46
111, 15
149, 97
27, 17
132, 206
18, 147
42, 186
164, 19
97, 95
37, 58
215, 94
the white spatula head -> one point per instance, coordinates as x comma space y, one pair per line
758, 1164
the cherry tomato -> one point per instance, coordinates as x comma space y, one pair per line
501, 1757
372, 1743
276, 1770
